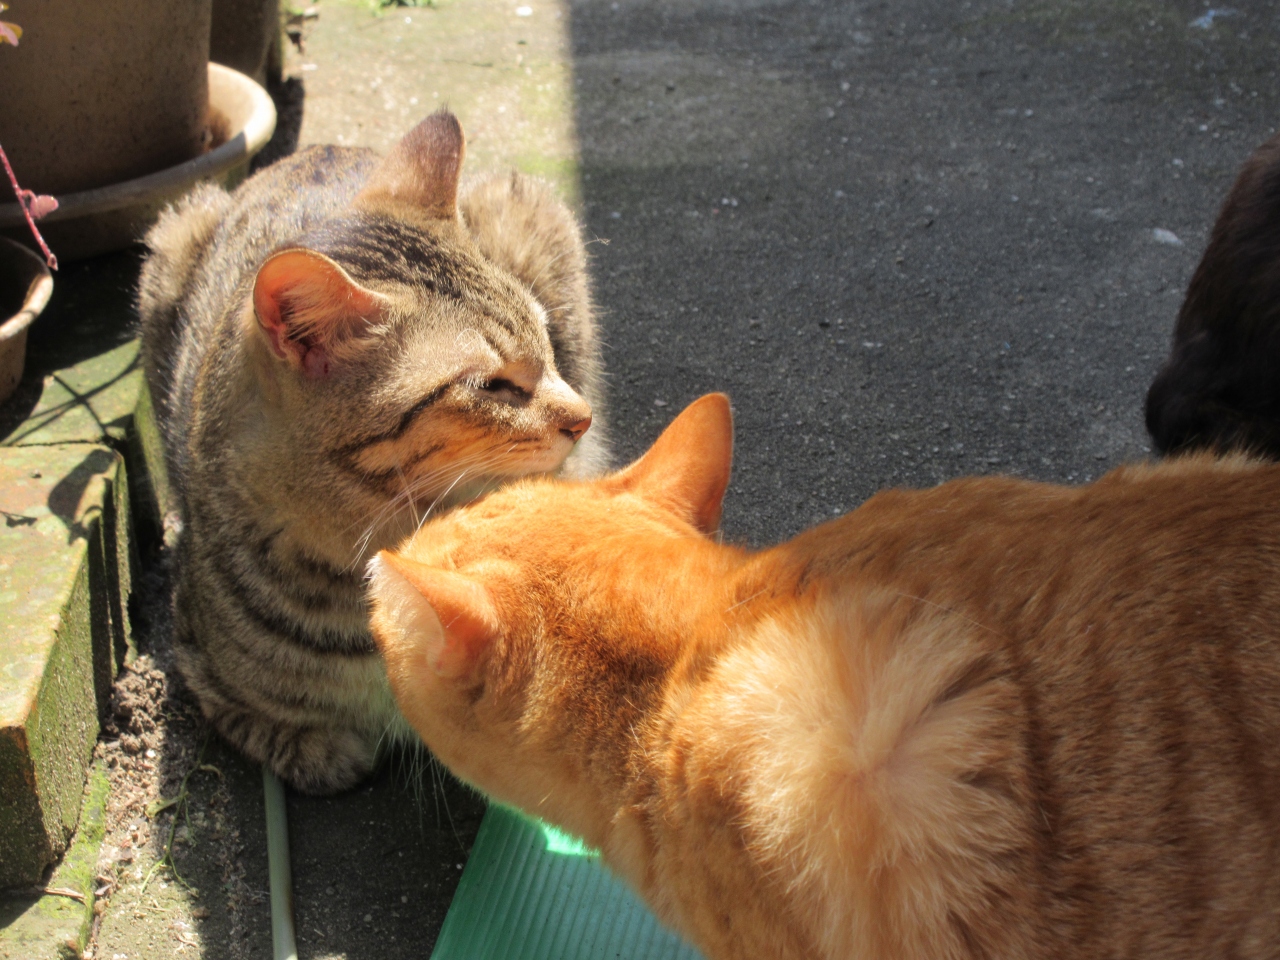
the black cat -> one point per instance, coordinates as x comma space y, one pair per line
1220, 387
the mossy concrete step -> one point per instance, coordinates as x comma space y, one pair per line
45, 926
64, 580
66, 558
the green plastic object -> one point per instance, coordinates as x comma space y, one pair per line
279, 869
530, 892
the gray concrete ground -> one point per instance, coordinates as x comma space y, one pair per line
912, 240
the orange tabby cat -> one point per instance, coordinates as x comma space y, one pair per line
991, 719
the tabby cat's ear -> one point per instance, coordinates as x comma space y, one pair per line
687, 468
310, 309
423, 168
464, 608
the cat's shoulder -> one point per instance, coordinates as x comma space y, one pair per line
520, 223
494, 204
1217, 488
185, 232
1201, 465
317, 168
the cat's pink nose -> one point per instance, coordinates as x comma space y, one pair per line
574, 431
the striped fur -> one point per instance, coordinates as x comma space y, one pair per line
337, 348
994, 719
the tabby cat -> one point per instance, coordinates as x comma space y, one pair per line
1220, 387
336, 348
991, 719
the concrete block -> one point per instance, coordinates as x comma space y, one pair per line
64, 581
35, 926
88, 402
150, 469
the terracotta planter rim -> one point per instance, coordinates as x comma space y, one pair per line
252, 136
38, 292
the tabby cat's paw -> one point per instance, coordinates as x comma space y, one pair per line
311, 759
322, 760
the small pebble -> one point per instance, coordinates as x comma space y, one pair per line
1168, 237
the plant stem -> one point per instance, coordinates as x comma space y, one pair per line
24, 198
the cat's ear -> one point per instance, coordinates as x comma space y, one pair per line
310, 309
688, 467
468, 620
423, 168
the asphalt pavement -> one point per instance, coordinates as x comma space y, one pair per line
912, 240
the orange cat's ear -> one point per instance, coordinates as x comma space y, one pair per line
688, 467
462, 605
310, 309
423, 168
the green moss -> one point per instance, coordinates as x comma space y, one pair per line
151, 445
62, 639
34, 927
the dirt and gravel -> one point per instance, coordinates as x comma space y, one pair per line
182, 864
183, 868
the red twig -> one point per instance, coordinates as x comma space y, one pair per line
25, 199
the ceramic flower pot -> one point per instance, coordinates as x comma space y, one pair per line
98, 93
247, 37
108, 218
25, 286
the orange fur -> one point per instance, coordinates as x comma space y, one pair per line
991, 719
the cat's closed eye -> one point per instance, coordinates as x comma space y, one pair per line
506, 390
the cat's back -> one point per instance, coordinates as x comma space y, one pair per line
1148, 528
1009, 719
283, 202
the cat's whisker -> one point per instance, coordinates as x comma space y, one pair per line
408, 491
470, 339
406, 498
745, 600
547, 266
440, 499
442, 797
428, 770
